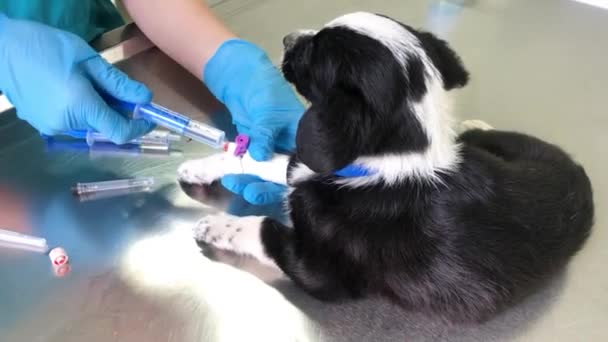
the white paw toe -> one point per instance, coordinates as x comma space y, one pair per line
200, 229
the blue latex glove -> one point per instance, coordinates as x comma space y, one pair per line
51, 77
262, 105
254, 189
261, 102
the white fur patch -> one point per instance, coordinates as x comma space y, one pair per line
401, 42
299, 173
442, 155
209, 169
306, 32
432, 111
241, 235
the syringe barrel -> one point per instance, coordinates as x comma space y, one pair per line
158, 137
161, 116
155, 140
205, 134
144, 184
11, 237
178, 123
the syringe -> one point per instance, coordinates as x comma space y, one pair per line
180, 124
155, 140
122, 185
162, 138
173, 121
9, 238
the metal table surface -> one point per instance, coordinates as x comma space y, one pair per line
136, 275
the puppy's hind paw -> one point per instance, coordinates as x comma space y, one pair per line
468, 125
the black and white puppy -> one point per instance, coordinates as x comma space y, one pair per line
385, 198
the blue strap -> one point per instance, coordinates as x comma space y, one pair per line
354, 170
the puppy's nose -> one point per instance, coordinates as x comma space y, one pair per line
290, 40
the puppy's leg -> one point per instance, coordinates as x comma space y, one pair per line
209, 169
272, 243
312, 274
512, 145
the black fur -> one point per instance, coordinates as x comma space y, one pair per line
512, 213
444, 60
339, 72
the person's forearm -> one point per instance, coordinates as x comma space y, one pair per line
186, 30
14, 212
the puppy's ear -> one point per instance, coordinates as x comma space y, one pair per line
448, 63
328, 132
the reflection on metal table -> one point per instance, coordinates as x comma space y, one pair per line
132, 258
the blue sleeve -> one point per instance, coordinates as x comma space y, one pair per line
85, 18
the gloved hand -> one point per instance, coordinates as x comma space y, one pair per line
262, 105
261, 102
254, 189
51, 77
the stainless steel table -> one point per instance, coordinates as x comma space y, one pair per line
137, 276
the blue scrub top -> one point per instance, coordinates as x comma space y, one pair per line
85, 18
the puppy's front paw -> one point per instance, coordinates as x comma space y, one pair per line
207, 170
216, 230
241, 235
468, 125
